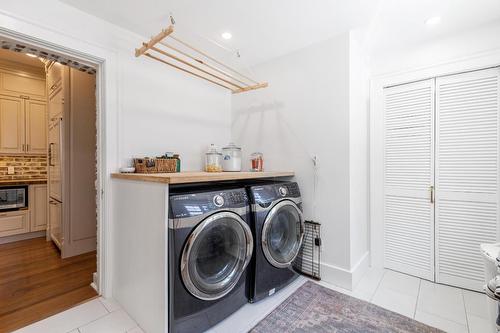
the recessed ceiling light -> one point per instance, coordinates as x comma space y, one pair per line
226, 35
31, 55
433, 20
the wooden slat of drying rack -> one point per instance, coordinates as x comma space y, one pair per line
227, 77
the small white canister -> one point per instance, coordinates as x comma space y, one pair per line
231, 158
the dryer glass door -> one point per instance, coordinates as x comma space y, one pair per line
215, 255
282, 234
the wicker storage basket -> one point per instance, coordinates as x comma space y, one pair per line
155, 165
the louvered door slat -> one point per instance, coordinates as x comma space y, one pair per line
408, 175
467, 111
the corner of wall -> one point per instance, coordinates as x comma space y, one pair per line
346, 278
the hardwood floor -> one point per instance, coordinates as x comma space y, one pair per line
36, 283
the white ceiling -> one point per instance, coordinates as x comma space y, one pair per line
264, 29
400, 23
261, 29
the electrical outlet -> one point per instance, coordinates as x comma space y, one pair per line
10, 170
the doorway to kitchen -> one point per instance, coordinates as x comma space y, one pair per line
49, 181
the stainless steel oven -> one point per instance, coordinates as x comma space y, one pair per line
13, 197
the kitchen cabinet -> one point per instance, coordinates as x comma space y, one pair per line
13, 223
22, 85
54, 160
38, 207
36, 127
56, 104
55, 75
72, 160
55, 218
23, 126
12, 125
23, 113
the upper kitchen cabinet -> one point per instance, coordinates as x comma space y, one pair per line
23, 112
22, 85
58, 87
12, 125
23, 126
55, 74
36, 127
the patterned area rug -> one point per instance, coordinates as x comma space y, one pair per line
313, 308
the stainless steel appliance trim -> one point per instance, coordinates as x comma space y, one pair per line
191, 221
16, 205
4, 207
232, 279
267, 222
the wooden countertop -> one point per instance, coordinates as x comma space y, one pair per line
22, 182
200, 177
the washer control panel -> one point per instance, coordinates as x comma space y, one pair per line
195, 204
237, 198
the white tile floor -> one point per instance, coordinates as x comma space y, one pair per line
96, 316
450, 309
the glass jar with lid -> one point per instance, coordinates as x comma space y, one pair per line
213, 159
257, 161
231, 158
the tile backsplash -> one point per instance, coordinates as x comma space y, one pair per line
25, 167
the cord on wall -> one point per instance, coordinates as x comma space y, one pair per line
315, 181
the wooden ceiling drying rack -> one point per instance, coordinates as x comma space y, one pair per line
217, 72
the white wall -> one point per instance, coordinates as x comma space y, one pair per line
305, 113
359, 90
163, 109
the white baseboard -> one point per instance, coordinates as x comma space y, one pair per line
360, 268
337, 276
16, 238
345, 278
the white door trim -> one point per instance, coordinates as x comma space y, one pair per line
377, 84
106, 61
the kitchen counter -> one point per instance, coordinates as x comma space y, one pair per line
200, 177
22, 182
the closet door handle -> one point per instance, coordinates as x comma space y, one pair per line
432, 194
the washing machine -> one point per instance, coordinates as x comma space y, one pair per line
278, 230
210, 247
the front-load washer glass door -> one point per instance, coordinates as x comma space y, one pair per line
215, 255
282, 234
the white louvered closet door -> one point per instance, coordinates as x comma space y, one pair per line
408, 177
467, 120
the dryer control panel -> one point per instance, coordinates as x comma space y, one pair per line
264, 194
195, 204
